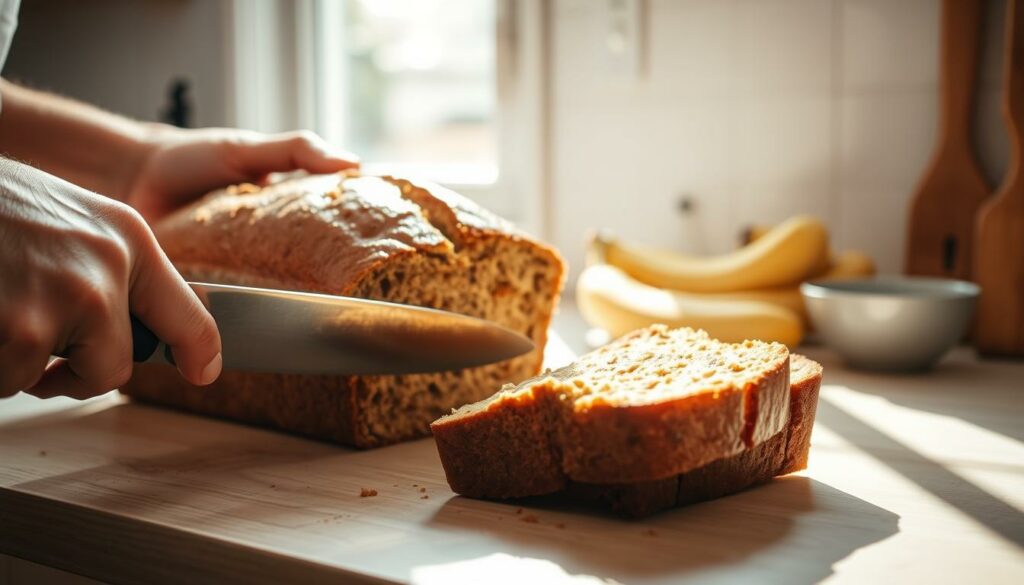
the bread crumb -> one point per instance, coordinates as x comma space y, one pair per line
42, 452
367, 493
423, 489
560, 526
519, 510
272, 486
650, 532
424, 497
243, 189
530, 519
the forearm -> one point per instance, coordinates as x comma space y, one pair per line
79, 143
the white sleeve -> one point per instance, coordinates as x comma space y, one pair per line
8, 22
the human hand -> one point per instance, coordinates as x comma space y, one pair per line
180, 165
73, 264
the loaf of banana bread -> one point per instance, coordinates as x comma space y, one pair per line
380, 238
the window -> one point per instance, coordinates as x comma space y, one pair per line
418, 85
446, 90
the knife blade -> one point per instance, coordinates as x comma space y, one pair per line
268, 330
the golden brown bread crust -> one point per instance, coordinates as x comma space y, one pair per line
610, 444
533, 440
784, 453
301, 232
457, 217
504, 453
719, 478
339, 235
316, 406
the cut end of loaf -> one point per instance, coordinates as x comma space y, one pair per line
805, 384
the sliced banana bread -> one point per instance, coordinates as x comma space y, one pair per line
654, 404
784, 453
372, 237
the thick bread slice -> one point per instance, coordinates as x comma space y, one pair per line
784, 453
652, 405
370, 237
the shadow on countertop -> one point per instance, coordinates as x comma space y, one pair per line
792, 530
974, 501
959, 386
984, 393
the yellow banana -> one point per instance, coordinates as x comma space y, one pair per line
787, 297
849, 264
610, 299
786, 255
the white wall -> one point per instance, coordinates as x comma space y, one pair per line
123, 54
759, 109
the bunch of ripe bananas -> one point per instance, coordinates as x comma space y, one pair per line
750, 293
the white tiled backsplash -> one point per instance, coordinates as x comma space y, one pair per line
758, 109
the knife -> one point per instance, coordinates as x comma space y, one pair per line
267, 330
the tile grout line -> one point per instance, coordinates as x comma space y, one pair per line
836, 206
732, 217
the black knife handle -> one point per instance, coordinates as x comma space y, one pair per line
144, 342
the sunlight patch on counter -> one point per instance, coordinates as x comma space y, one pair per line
501, 569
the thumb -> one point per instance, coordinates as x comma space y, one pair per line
162, 300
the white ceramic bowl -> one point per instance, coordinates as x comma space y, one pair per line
892, 323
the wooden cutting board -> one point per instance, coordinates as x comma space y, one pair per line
999, 242
912, 479
942, 210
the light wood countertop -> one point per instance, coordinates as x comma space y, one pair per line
912, 479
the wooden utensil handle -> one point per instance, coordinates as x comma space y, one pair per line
961, 21
999, 265
1013, 100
